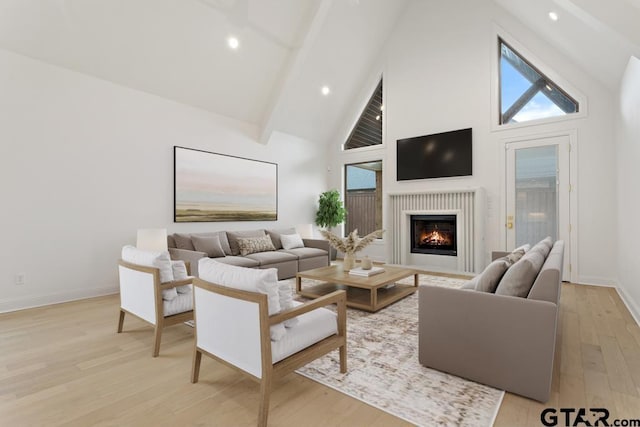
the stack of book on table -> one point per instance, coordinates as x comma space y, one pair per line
358, 271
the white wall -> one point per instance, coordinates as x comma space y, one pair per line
84, 163
628, 148
437, 77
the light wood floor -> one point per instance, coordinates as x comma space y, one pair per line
65, 365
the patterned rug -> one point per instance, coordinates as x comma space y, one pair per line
383, 369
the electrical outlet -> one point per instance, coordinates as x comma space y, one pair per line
20, 278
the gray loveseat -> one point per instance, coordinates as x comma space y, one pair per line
224, 246
507, 342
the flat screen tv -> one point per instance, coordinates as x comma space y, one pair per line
440, 155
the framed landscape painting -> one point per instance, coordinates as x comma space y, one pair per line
211, 187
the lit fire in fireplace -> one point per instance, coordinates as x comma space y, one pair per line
436, 238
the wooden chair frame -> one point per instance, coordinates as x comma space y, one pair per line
162, 321
271, 371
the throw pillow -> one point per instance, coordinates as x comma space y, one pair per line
488, 280
159, 260
233, 238
542, 247
471, 284
518, 279
180, 273
252, 245
247, 279
179, 270
209, 245
286, 302
515, 256
222, 235
183, 241
291, 241
275, 236
524, 248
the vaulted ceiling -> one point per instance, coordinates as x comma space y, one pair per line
597, 35
177, 49
289, 49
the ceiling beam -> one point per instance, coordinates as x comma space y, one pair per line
292, 70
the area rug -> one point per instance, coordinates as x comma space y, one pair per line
383, 369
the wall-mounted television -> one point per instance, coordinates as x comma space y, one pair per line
440, 155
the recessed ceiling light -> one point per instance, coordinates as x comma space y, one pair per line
553, 16
233, 42
325, 90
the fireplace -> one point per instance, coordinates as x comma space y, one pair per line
434, 234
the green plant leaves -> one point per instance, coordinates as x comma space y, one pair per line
331, 211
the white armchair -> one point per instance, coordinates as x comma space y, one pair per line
234, 327
141, 294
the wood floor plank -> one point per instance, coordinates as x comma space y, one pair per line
571, 347
66, 365
619, 375
592, 359
588, 332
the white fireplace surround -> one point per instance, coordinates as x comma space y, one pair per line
467, 205
447, 262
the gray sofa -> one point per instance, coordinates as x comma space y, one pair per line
192, 247
507, 342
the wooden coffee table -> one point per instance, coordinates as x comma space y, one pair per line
366, 293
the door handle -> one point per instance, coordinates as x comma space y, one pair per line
510, 225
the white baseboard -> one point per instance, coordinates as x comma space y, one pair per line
32, 301
633, 308
597, 281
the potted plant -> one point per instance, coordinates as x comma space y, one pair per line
331, 212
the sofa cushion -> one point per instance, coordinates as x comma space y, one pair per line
313, 327
183, 241
273, 257
515, 256
247, 279
518, 279
470, 284
275, 236
179, 270
239, 261
543, 247
304, 253
291, 241
488, 280
159, 260
222, 235
285, 295
180, 304
171, 242
233, 236
180, 273
252, 245
209, 245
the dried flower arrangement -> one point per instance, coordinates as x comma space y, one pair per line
350, 244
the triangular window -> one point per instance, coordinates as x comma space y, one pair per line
368, 129
527, 94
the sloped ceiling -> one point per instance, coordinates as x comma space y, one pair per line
289, 49
178, 49
599, 36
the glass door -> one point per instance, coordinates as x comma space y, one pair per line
538, 193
